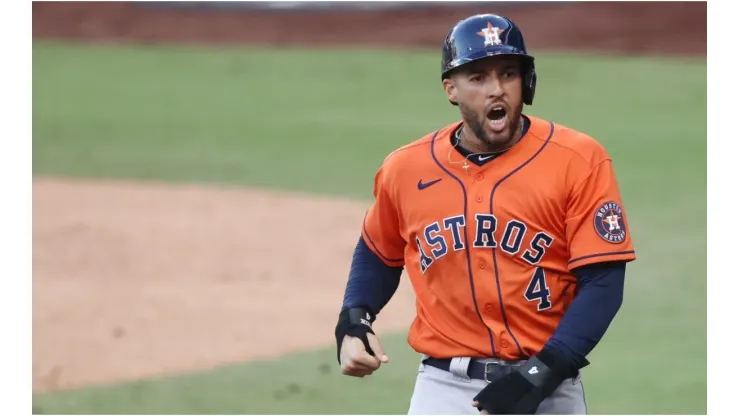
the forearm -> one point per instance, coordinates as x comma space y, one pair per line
599, 297
371, 282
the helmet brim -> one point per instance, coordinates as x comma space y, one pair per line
497, 51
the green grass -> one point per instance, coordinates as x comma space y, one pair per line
248, 117
252, 117
304, 384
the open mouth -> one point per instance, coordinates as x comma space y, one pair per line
497, 118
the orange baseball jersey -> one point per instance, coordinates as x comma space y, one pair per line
490, 249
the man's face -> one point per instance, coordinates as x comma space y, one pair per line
489, 94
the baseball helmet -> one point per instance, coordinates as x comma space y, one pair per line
484, 35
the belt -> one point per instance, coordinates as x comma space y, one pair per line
481, 370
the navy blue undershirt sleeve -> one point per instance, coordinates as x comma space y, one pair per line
598, 299
371, 282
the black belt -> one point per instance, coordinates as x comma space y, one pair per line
487, 371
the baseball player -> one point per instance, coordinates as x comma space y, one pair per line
512, 231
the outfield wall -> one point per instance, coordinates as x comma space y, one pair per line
624, 27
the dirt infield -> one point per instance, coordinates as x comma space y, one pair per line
133, 280
634, 28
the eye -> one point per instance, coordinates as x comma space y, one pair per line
476, 78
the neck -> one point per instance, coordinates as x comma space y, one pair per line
470, 142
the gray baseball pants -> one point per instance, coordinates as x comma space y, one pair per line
451, 392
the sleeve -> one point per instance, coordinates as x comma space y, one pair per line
381, 226
599, 298
371, 282
596, 223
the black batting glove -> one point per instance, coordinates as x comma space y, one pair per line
355, 322
522, 391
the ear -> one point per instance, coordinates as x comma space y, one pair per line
450, 90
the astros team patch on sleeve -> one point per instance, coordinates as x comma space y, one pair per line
609, 223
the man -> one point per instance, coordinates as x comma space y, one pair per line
513, 234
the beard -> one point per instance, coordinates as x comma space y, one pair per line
490, 140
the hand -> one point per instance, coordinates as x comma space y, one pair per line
359, 352
356, 361
522, 391
511, 394
476, 405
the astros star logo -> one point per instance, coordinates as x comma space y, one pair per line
491, 35
612, 221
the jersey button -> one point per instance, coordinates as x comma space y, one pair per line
505, 344
482, 265
489, 308
478, 198
479, 176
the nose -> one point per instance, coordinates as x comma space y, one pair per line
494, 87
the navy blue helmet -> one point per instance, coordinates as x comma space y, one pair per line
484, 35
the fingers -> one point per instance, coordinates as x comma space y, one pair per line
354, 371
377, 348
356, 361
352, 368
483, 412
361, 356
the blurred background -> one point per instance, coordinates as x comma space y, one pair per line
201, 170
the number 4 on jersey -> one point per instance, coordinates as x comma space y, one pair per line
537, 290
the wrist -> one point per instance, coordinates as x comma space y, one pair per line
565, 364
556, 362
356, 322
547, 370
357, 315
